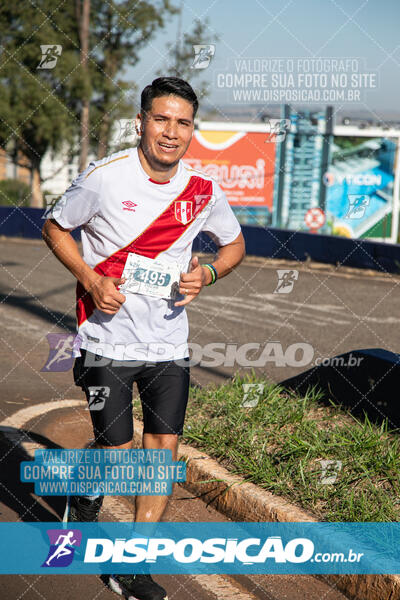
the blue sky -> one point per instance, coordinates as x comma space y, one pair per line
366, 29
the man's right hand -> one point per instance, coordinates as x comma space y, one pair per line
103, 290
105, 294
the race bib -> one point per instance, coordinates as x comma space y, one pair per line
150, 277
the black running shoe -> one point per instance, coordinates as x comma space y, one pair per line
137, 587
80, 509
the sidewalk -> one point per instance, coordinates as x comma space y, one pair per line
71, 428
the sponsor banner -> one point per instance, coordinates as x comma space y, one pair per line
191, 548
242, 163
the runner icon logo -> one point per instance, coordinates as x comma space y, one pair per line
277, 130
50, 54
357, 205
252, 393
98, 396
286, 280
60, 352
330, 471
203, 54
62, 547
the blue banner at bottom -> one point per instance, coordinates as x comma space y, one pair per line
192, 548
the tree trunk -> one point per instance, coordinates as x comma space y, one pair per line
84, 19
37, 196
110, 69
102, 147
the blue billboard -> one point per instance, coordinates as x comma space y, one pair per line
360, 184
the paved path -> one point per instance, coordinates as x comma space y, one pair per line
332, 311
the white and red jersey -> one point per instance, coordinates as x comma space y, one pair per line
121, 210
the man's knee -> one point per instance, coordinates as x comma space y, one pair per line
125, 446
160, 440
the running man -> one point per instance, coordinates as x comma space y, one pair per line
142, 207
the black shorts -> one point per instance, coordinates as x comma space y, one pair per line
163, 389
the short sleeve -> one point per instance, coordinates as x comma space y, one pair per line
80, 202
221, 223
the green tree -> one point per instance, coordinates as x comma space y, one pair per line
37, 103
44, 108
119, 31
14, 192
181, 55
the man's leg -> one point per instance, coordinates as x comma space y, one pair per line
164, 390
142, 587
151, 508
111, 419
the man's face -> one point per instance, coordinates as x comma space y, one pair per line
167, 130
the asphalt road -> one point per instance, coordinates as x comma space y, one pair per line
329, 311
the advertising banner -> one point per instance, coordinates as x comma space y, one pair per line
304, 180
360, 187
242, 163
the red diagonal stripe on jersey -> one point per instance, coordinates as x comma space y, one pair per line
153, 240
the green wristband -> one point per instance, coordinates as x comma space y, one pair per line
213, 273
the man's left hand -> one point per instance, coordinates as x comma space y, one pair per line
191, 283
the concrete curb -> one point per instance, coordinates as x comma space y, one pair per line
242, 501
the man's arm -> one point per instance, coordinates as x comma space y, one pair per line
103, 290
229, 257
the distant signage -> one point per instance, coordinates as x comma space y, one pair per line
240, 162
314, 219
360, 184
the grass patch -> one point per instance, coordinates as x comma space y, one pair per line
279, 443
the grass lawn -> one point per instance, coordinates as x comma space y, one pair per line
278, 444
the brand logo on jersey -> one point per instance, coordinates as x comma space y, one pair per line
129, 205
183, 211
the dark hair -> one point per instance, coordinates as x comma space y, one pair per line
164, 86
